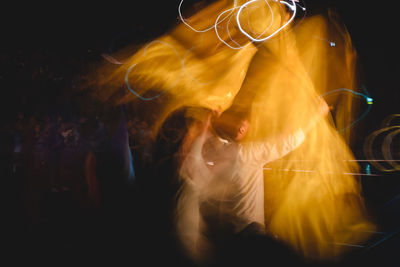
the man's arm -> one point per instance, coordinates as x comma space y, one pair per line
323, 110
280, 146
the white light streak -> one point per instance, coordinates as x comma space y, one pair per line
144, 54
293, 7
219, 37
348, 245
386, 149
391, 131
373, 160
218, 21
187, 24
351, 160
313, 171
111, 59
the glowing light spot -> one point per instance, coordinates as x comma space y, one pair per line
368, 169
331, 43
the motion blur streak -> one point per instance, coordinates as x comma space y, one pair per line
385, 148
280, 81
310, 211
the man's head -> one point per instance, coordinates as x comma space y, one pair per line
232, 124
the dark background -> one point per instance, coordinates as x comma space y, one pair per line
45, 46
70, 34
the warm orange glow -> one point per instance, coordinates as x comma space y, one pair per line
280, 81
313, 212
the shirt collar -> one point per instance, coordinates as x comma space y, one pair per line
222, 140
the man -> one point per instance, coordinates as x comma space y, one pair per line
223, 187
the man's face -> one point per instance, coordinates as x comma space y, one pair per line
229, 126
242, 130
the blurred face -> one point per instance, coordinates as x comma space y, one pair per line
243, 128
230, 127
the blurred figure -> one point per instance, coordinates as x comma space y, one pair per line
223, 188
253, 61
144, 148
71, 170
19, 168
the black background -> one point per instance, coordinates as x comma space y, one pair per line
85, 30
67, 30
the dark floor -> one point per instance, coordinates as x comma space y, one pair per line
135, 230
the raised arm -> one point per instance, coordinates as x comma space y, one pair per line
323, 110
279, 146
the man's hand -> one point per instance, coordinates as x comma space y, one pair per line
323, 107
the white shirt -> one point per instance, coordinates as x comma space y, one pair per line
224, 186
